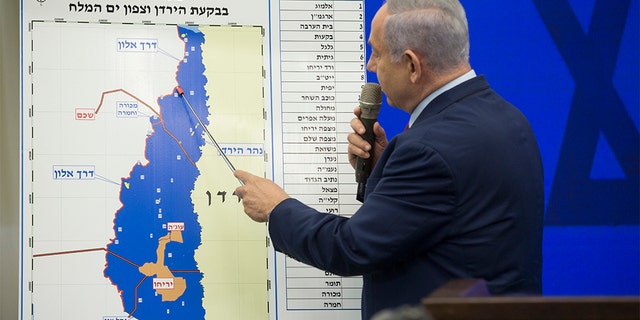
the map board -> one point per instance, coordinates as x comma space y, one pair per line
128, 210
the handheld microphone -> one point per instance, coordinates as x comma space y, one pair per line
370, 102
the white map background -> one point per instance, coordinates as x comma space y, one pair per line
72, 66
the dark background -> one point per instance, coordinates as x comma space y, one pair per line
572, 67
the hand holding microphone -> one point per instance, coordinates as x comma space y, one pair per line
370, 102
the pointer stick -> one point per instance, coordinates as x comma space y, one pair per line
215, 144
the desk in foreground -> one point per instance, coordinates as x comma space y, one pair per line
470, 299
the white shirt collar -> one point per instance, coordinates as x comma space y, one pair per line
423, 104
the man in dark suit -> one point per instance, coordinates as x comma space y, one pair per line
457, 195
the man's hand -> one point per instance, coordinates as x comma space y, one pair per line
259, 196
358, 147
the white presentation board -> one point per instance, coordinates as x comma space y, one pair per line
128, 209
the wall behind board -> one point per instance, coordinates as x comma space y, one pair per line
9, 158
572, 67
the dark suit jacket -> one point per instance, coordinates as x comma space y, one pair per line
459, 195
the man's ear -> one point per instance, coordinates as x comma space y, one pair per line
413, 64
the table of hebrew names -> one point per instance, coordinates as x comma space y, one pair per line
322, 71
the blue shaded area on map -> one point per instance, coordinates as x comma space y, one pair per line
158, 193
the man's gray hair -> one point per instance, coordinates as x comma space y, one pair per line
436, 29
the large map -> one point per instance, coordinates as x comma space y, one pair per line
133, 208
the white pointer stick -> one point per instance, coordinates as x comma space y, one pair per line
215, 144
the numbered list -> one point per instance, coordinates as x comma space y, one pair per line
322, 72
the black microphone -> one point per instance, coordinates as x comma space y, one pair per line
370, 102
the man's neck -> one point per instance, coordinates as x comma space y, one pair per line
439, 80
430, 97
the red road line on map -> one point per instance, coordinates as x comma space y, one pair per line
129, 94
135, 296
60, 253
119, 257
152, 110
179, 144
67, 252
123, 259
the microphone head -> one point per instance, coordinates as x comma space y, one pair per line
370, 100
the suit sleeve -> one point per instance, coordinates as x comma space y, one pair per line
408, 210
